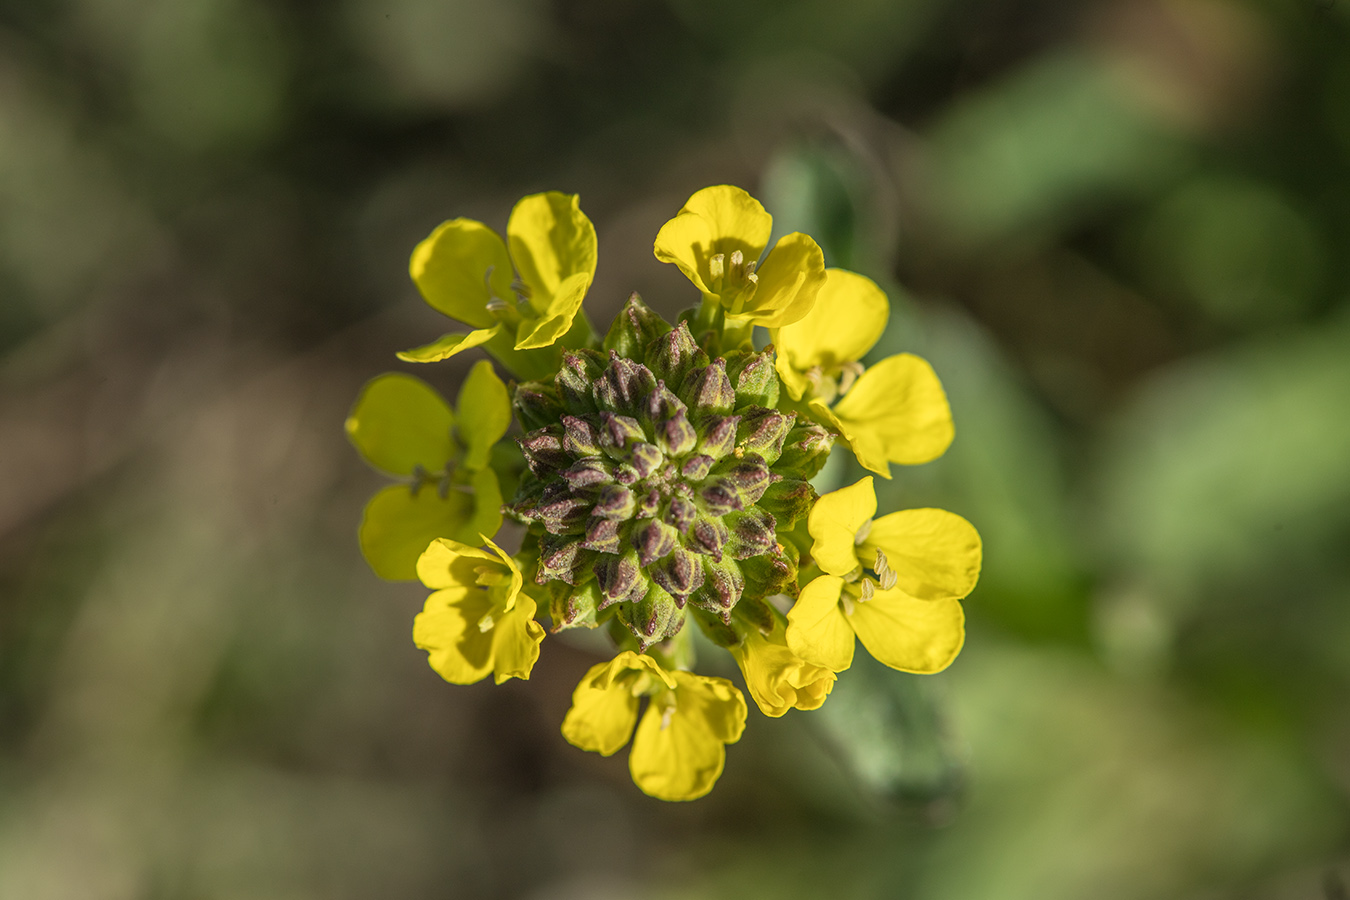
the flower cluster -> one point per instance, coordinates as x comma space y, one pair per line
662, 475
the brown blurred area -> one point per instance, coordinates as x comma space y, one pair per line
1113, 227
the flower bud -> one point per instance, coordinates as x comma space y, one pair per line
634, 329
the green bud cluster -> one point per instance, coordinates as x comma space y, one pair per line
659, 476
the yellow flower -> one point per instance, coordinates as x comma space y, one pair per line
779, 679
821, 351
896, 412
478, 620
894, 582
464, 270
680, 746
403, 427
717, 240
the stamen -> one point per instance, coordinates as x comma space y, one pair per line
869, 590
666, 715
497, 305
854, 575
885, 575
485, 624
849, 372
847, 602
717, 268
737, 262
863, 531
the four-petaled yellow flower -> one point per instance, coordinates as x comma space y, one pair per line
465, 271
680, 746
403, 427
478, 620
717, 239
894, 582
893, 412
779, 679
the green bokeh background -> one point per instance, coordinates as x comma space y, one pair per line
1118, 230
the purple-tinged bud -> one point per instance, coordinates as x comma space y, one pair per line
625, 474
707, 536
720, 437
723, 585
696, 467
537, 405
580, 437
755, 379
543, 453
805, 450
752, 534
646, 458
618, 575
589, 471
662, 405
562, 516
709, 390
788, 501
680, 573
654, 540
603, 535
676, 436
681, 514
648, 505
625, 386
617, 432
634, 329
763, 431
652, 618
749, 477
772, 573
720, 498
562, 558
675, 355
615, 502
578, 373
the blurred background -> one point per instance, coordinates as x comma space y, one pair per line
1117, 228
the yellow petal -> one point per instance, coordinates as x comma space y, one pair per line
399, 422
551, 240
447, 563
448, 629
789, 281
603, 712
817, 629
448, 345
847, 319
834, 522
720, 219
779, 679
794, 380
397, 527
935, 554
557, 319
460, 267
911, 635
897, 412
679, 754
484, 409
515, 640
